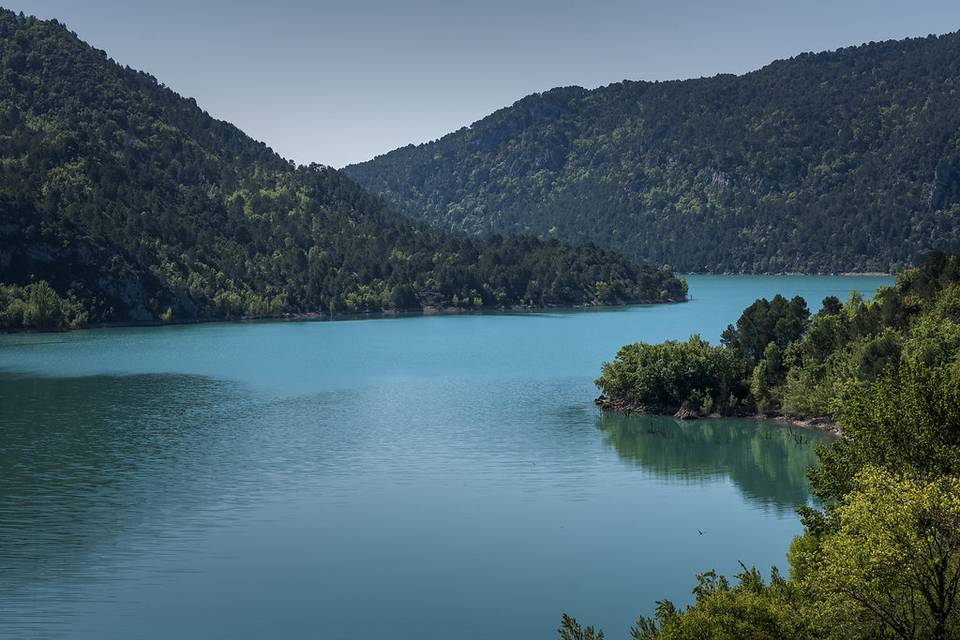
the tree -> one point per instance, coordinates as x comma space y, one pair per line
889, 560
751, 608
908, 421
779, 320
44, 308
831, 306
664, 377
767, 376
570, 629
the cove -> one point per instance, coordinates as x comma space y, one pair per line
434, 476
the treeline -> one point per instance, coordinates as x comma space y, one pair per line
832, 162
780, 359
37, 306
881, 558
135, 204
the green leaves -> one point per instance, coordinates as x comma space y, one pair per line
570, 629
663, 377
779, 321
750, 608
908, 421
841, 161
890, 562
117, 189
37, 306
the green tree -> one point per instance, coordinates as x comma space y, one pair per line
570, 629
43, 308
779, 320
751, 608
768, 375
908, 421
890, 561
663, 377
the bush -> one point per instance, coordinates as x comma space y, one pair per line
38, 306
664, 377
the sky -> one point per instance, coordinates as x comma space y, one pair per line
341, 82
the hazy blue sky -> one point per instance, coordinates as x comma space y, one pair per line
339, 82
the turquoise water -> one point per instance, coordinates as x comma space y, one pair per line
420, 477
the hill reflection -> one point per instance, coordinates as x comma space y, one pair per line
767, 461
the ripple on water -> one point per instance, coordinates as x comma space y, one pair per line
263, 479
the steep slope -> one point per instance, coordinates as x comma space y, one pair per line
135, 204
840, 161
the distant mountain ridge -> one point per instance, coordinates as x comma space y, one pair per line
831, 162
135, 205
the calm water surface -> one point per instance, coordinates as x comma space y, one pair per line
422, 477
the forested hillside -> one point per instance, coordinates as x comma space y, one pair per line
831, 162
122, 201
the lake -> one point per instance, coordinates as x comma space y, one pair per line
417, 477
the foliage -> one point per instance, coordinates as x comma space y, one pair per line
796, 364
37, 306
886, 565
766, 322
768, 375
666, 376
811, 384
839, 161
911, 323
891, 560
137, 202
752, 609
907, 421
570, 629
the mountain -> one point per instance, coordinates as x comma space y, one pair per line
840, 161
123, 201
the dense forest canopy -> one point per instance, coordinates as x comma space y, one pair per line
133, 204
832, 162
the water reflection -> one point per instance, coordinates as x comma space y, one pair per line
114, 488
255, 480
83, 459
767, 461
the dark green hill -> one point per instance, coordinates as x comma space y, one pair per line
135, 204
840, 161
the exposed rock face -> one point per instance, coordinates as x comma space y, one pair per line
946, 184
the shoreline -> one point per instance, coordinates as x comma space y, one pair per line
819, 423
844, 274
316, 316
